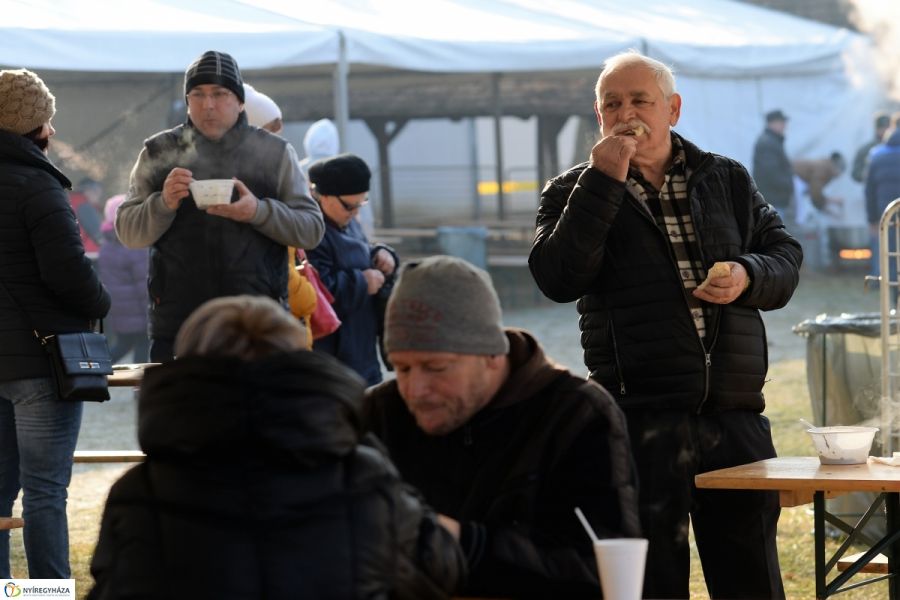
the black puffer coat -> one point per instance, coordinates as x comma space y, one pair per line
255, 487
42, 261
596, 243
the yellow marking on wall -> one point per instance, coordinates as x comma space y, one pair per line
489, 188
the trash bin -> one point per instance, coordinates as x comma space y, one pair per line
469, 243
843, 375
843, 367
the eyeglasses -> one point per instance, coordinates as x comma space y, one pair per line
351, 207
217, 96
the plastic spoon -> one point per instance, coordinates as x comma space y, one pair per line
586, 525
811, 426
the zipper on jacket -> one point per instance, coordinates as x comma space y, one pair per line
619, 375
708, 360
707, 352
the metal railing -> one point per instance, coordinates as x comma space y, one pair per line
889, 288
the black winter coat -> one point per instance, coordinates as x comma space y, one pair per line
513, 474
255, 486
596, 243
883, 179
42, 260
772, 169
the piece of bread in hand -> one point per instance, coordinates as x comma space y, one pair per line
719, 269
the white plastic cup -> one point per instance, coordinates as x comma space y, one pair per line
620, 563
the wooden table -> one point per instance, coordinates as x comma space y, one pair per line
800, 480
128, 375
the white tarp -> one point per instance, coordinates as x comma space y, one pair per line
734, 61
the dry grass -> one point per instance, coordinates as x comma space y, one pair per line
111, 426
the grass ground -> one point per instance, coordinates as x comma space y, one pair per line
112, 426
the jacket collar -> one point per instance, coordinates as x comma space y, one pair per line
20, 149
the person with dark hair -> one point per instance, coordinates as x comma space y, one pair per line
861, 159
47, 286
671, 252
502, 441
240, 247
358, 274
771, 167
257, 483
882, 188
816, 174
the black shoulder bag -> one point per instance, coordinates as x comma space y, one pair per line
79, 362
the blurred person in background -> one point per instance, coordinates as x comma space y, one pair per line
257, 483
87, 202
358, 274
124, 273
47, 286
632, 235
814, 210
223, 250
772, 170
861, 159
264, 113
883, 187
321, 141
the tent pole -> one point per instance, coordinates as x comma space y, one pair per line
498, 144
384, 137
474, 170
341, 94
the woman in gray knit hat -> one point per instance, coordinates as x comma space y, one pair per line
47, 284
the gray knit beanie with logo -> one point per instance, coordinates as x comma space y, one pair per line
444, 304
216, 68
25, 102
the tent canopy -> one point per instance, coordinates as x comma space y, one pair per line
712, 37
459, 58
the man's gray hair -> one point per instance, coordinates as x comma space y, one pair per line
665, 78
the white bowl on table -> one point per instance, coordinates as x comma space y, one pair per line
842, 444
211, 192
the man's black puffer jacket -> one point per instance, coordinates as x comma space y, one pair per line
42, 261
596, 243
255, 486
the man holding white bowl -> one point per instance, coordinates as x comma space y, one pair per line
239, 247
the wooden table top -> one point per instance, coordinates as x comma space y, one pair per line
798, 477
109, 456
128, 375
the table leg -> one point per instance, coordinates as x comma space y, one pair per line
892, 502
819, 542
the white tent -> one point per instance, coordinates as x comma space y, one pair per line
734, 61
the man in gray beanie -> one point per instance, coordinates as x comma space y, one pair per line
235, 248
500, 440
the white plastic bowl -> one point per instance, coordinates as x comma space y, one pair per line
210, 192
842, 444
